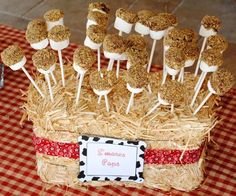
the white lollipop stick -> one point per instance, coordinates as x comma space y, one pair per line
53, 78
164, 77
117, 69
172, 108
154, 108
203, 75
151, 55
99, 99
173, 77
198, 82
200, 54
149, 89
131, 100
79, 88
99, 58
33, 82
203, 102
49, 86
110, 64
107, 103
62, 68
181, 74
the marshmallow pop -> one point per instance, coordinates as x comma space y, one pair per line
220, 82
94, 37
114, 47
14, 57
217, 42
142, 26
102, 83
191, 53
136, 52
99, 7
37, 35
53, 18
210, 25
124, 20
211, 60
158, 26
59, 40
171, 93
83, 59
175, 60
136, 80
44, 60
97, 18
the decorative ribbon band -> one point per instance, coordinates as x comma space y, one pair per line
152, 156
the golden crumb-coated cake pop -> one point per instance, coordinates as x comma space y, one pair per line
44, 59
175, 58
12, 55
99, 6
211, 22
127, 15
158, 22
59, 33
37, 24
222, 81
212, 57
84, 57
53, 15
144, 15
191, 51
173, 92
172, 20
98, 17
137, 57
135, 41
217, 42
96, 33
103, 80
137, 76
114, 43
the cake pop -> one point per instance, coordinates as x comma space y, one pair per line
211, 60
44, 60
59, 40
174, 62
83, 59
171, 93
102, 83
217, 42
99, 7
124, 20
53, 18
210, 25
114, 47
220, 82
142, 26
14, 58
136, 80
94, 37
158, 25
97, 18
172, 20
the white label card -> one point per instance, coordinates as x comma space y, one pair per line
107, 159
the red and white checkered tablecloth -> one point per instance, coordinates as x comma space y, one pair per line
17, 155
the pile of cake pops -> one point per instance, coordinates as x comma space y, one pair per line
180, 51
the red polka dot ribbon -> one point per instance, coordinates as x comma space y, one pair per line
152, 156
